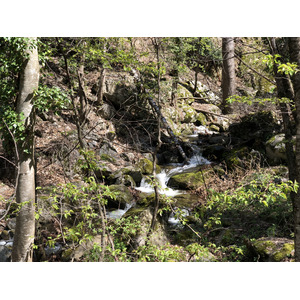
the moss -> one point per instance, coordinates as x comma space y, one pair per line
235, 157
123, 194
67, 255
190, 114
285, 252
190, 181
214, 127
146, 166
201, 119
276, 249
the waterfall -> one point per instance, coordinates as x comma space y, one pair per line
196, 160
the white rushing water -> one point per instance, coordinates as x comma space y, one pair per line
118, 213
146, 187
166, 174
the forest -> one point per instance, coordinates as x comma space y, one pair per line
149, 149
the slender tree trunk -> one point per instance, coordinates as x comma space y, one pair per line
228, 72
294, 48
101, 87
284, 91
25, 194
154, 154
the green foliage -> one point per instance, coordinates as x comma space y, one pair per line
194, 52
78, 207
51, 99
283, 68
12, 55
261, 194
152, 253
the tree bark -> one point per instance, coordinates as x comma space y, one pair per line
284, 91
25, 194
294, 49
228, 72
101, 87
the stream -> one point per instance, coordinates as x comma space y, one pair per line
167, 172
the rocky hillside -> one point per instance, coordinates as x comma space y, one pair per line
120, 137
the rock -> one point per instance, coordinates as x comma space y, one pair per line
11, 223
146, 166
236, 157
5, 235
134, 172
119, 88
123, 197
108, 153
107, 111
126, 180
83, 249
199, 253
158, 237
57, 249
214, 152
190, 181
270, 249
259, 125
214, 127
5, 254
201, 119
190, 114
275, 149
186, 200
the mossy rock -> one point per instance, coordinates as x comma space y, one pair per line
134, 172
201, 119
123, 197
190, 114
146, 166
275, 148
186, 200
193, 180
120, 177
259, 125
200, 253
273, 249
146, 199
236, 157
158, 237
106, 157
214, 127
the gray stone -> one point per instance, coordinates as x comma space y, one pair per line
275, 148
5, 254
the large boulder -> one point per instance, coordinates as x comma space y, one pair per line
260, 126
123, 197
118, 88
271, 249
213, 116
5, 253
145, 165
275, 148
193, 180
158, 237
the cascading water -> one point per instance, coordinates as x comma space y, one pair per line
173, 169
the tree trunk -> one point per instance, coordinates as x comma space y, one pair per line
228, 72
101, 87
284, 91
25, 194
294, 48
